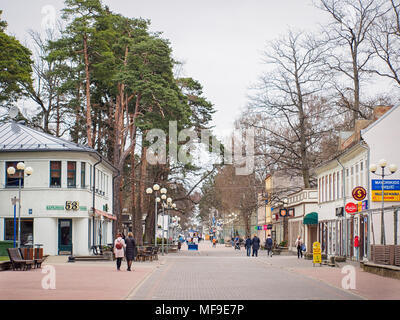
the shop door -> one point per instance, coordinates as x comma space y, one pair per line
312, 231
361, 238
65, 236
351, 237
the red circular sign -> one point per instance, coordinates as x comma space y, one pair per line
359, 193
351, 207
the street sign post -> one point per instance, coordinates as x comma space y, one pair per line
359, 193
351, 207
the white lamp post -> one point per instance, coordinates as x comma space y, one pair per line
28, 171
392, 168
149, 191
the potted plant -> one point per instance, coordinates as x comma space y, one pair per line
107, 252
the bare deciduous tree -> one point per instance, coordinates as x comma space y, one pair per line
286, 104
384, 38
350, 52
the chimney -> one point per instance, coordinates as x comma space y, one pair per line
379, 111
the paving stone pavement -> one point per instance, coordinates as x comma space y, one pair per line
223, 273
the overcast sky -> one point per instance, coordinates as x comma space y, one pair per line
220, 41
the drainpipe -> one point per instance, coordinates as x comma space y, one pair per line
369, 203
344, 204
113, 206
94, 194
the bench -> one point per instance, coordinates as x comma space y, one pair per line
33, 254
17, 261
147, 253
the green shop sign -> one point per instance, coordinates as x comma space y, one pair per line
54, 207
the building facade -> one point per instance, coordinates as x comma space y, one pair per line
301, 205
66, 204
382, 138
337, 179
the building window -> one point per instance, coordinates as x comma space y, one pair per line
26, 230
12, 180
83, 174
333, 186
90, 176
319, 190
71, 175
55, 174
107, 185
326, 188
338, 185
357, 177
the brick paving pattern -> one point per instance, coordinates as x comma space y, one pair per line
220, 273
226, 274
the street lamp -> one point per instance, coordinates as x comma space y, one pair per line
22, 171
149, 191
392, 168
168, 205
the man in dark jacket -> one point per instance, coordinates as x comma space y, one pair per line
268, 245
256, 245
248, 245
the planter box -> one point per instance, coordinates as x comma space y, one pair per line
108, 255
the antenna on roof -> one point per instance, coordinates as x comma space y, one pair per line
13, 113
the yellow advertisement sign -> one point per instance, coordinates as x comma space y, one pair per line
389, 195
317, 252
317, 258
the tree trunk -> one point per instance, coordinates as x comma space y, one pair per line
356, 107
88, 105
117, 204
141, 209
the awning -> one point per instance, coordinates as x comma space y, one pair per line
311, 218
104, 214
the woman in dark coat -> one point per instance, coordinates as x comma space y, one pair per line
130, 250
256, 245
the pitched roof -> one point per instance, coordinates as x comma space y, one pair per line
16, 137
373, 124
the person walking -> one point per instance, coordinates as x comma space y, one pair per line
179, 245
119, 245
237, 243
214, 242
256, 245
248, 245
130, 250
298, 245
268, 245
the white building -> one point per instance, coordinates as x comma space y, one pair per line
371, 141
383, 139
57, 199
336, 180
301, 206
